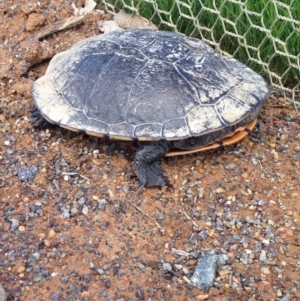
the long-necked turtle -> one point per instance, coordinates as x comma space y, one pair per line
171, 93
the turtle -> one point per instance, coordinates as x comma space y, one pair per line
165, 92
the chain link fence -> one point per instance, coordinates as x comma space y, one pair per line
265, 35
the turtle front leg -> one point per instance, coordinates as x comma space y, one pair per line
147, 163
36, 118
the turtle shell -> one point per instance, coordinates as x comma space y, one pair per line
148, 85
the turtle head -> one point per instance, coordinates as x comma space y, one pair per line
197, 142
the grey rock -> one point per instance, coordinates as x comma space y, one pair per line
230, 166
167, 267
27, 173
205, 272
3, 295
15, 222
285, 298
263, 256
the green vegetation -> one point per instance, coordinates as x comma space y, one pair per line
253, 32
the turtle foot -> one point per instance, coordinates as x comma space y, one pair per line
151, 175
36, 118
147, 164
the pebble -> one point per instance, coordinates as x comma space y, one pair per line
230, 166
27, 173
51, 233
167, 267
3, 295
22, 229
265, 270
101, 204
263, 256
85, 210
275, 156
285, 298
202, 297
14, 224
205, 271
20, 270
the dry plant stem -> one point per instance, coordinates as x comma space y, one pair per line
59, 26
194, 223
139, 209
260, 165
74, 174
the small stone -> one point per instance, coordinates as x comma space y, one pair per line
262, 256
266, 241
101, 204
51, 233
65, 213
261, 202
219, 190
36, 256
223, 272
178, 266
35, 21
47, 243
245, 175
230, 166
74, 210
275, 156
85, 210
140, 294
14, 224
265, 270
20, 270
27, 173
22, 229
248, 289
3, 295
185, 270
205, 272
285, 298
211, 232
96, 153
167, 267
202, 297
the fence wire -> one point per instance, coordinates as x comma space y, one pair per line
265, 35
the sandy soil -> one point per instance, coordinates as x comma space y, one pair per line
82, 230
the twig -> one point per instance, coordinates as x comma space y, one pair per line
74, 174
260, 165
194, 223
59, 26
180, 252
139, 209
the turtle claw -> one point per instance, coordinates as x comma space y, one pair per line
150, 175
36, 118
147, 164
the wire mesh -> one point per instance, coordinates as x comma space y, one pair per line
265, 35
